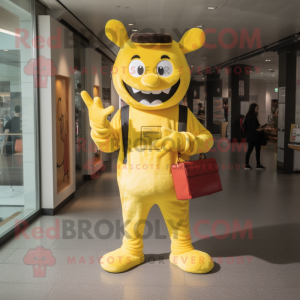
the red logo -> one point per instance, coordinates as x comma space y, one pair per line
40, 68
39, 258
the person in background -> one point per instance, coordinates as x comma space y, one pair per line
253, 136
6, 119
200, 110
13, 126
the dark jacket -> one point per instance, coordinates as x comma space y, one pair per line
14, 126
251, 124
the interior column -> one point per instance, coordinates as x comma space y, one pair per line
238, 91
213, 88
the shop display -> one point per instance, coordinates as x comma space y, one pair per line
143, 173
274, 106
105, 94
294, 142
294, 134
218, 110
297, 139
62, 132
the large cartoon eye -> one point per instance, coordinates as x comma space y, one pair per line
136, 68
164, 68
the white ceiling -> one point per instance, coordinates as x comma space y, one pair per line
275, 19
261, 69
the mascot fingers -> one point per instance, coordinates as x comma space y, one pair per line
86, 98
166, 132
166, 148
98, 102
107, 111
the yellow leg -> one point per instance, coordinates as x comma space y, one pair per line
183, 254
135, 212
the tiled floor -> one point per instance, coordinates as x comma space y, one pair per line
263, 267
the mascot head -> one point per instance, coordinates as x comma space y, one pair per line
151, 71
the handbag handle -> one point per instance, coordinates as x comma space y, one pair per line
200, 156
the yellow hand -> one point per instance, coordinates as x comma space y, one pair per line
171, 141
98, 114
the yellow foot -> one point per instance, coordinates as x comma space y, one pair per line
193, 261
119, 261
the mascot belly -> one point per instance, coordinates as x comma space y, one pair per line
152, 76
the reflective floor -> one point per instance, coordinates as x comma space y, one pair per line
251, 230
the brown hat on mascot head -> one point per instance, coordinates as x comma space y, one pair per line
151, 38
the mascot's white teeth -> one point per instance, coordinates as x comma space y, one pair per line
166, 91
153, 103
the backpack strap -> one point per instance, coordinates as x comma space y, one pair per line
125, 123
182, 119
182, 124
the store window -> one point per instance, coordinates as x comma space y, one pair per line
80, 107
19, 185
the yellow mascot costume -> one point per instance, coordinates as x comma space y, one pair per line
152, 76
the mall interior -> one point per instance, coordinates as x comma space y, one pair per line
61, 207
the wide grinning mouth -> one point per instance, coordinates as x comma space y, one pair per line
152, 98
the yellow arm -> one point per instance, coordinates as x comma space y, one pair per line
198, 138
105, 134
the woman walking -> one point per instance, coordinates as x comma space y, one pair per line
253, 136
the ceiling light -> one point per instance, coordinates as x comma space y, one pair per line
268, 59
203, 78
211, 7
270, 69
200, 26
131, 24
9, 32
5, 50
273, 75
134, 30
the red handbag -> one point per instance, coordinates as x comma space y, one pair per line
193, 179
19, 146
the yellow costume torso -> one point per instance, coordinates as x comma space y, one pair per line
145, 174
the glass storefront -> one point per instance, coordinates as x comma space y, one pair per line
19, 157
80, 107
